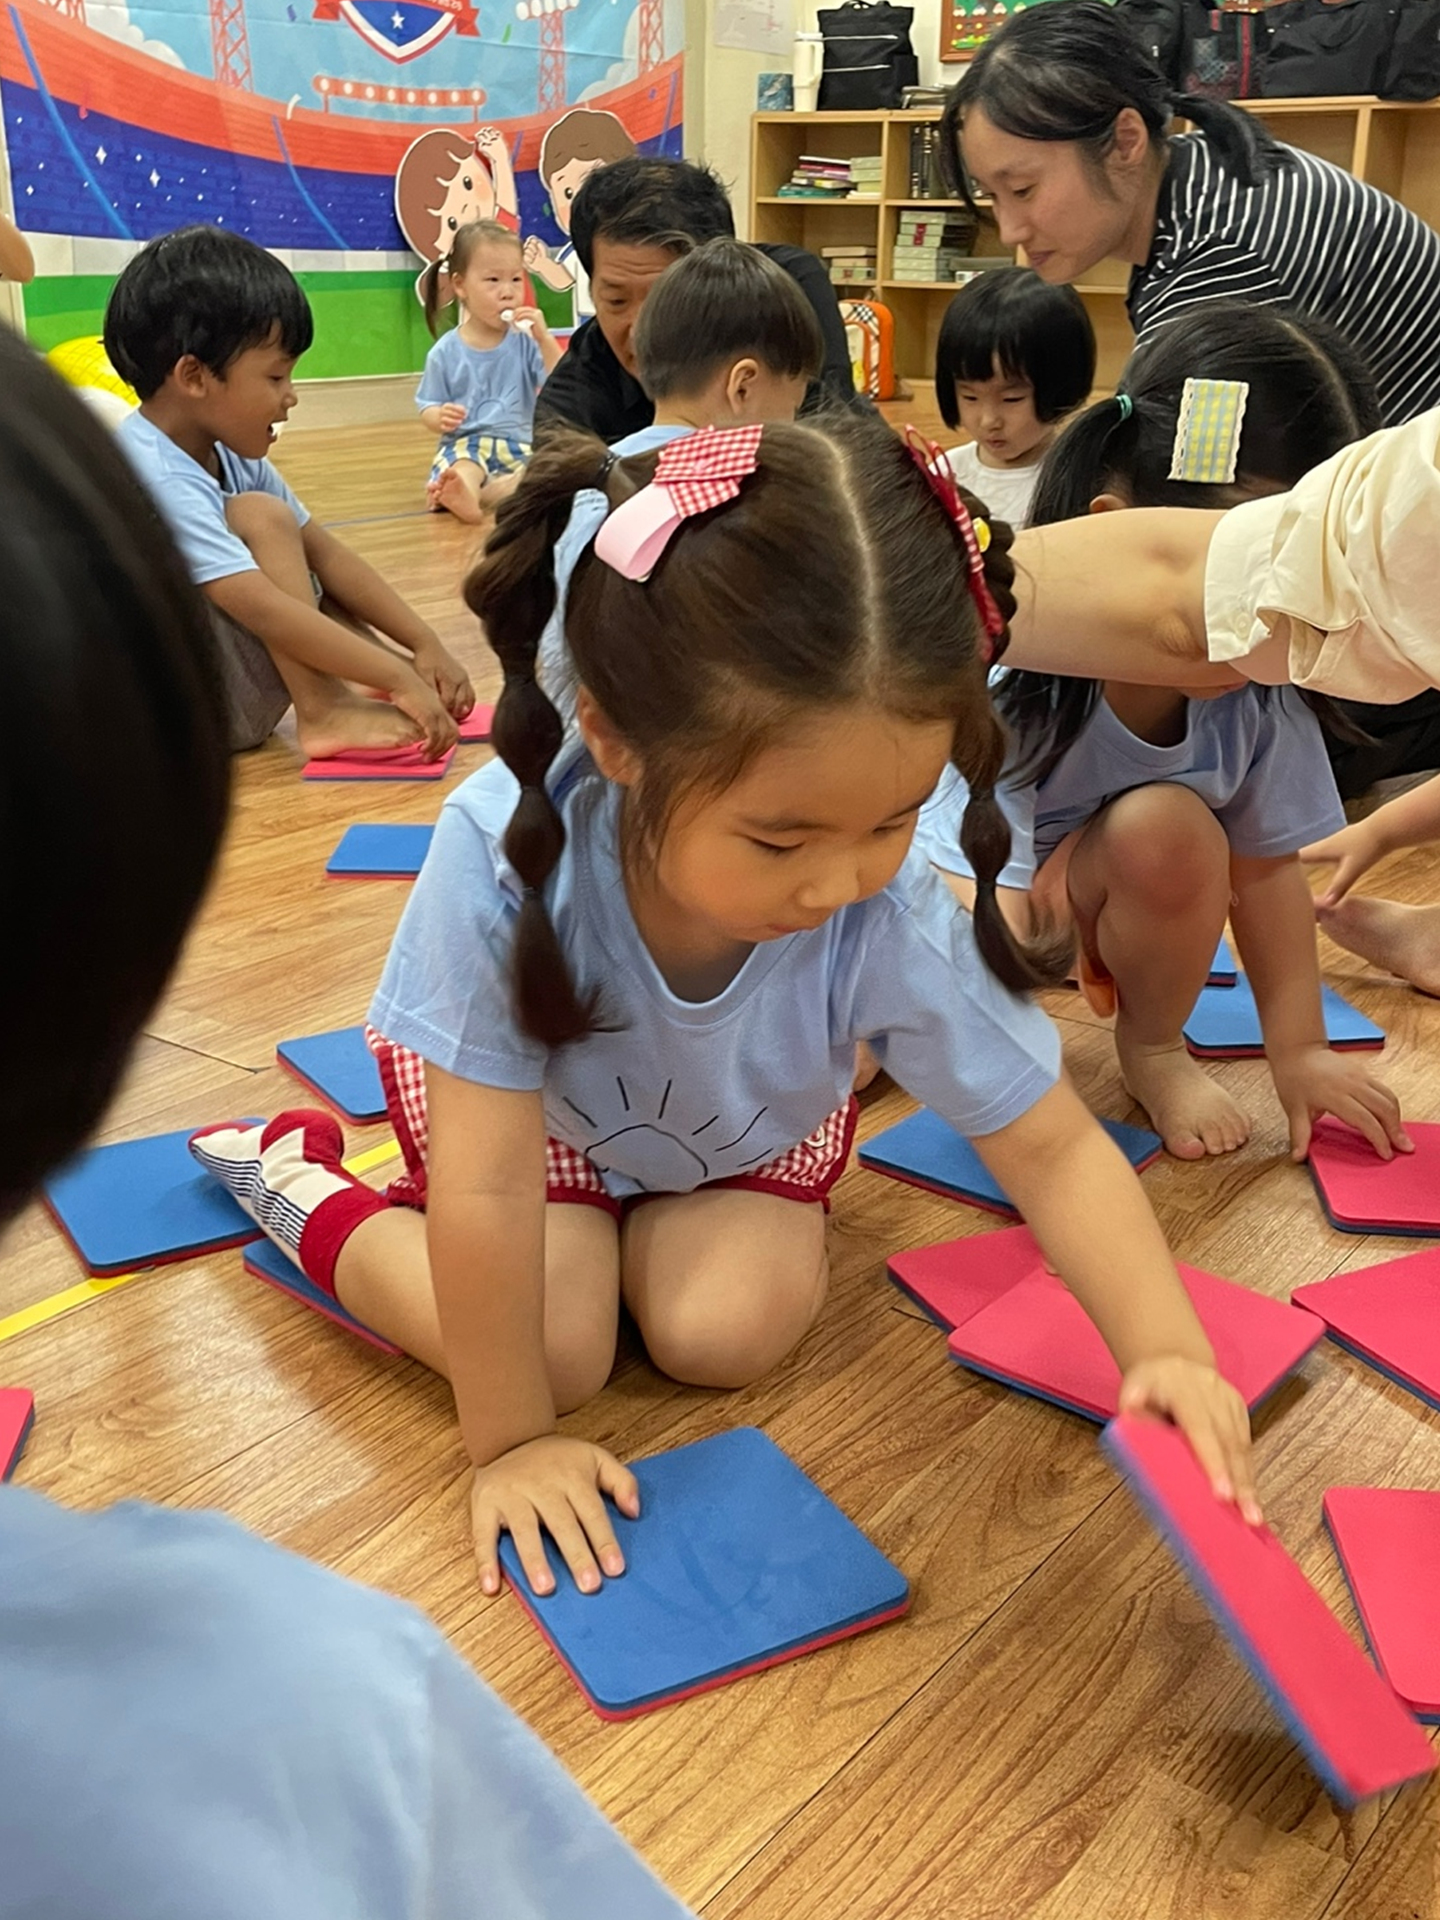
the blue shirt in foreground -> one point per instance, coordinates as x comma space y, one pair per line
495, 385
195, 1725
1257, 759
192, 501
677, 1093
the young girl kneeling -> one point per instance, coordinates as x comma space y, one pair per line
621, 1010
1153, 816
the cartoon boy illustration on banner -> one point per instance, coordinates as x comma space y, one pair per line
446, 179
573, 148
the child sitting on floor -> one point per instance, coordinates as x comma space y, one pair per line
618, 1023
1151, 816
480, 380
207, 327
1405, 940
725, 339
1015, 355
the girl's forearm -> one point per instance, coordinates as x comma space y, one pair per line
1272, 915
491, 1305
1117, 596
1085, 1207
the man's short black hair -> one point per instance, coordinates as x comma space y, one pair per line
206, 292
721, 303
649, 202
1008, 317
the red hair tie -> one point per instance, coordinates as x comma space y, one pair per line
974, 533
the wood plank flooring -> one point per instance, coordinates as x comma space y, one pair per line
1057, 1732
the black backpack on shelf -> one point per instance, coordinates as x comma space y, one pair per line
1293, 49
1327, 47
868, 56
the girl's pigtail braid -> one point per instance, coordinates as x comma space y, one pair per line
430, 292
512, 590
984, 831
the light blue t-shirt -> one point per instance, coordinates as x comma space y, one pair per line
195, 1725
192, 501
495, 385
676, 1093
1257, 759
555, 668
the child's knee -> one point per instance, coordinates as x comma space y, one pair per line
1164, 844
259, 516
712, 1339
579, 1358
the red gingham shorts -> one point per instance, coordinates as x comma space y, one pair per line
806, 1172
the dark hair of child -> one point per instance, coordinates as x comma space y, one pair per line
468, 241
649, 201
747, 622
1310, 394
1067, 71
108, 831
206, 292
1011, 320
717, 305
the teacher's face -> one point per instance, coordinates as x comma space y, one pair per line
1054, 204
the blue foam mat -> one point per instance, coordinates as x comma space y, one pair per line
928, 1152
340, 1068
1223, 970
738, 1560
380, 850
140, 1203
1225, 1023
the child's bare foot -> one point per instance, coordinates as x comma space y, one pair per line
453, 496
348, 720
1191, 1113
1403, 940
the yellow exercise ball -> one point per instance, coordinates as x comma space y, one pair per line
85, 363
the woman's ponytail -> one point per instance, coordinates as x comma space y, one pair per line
512, 590
1242, 142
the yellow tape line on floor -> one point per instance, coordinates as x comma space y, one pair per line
77, 1296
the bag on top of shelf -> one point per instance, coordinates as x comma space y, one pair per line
868, 56
1327, 47
1289, 49
1412, 71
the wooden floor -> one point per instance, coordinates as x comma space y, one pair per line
1056, 1731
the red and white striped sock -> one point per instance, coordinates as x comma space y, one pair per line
288, 1176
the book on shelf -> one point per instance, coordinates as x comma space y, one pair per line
847, 253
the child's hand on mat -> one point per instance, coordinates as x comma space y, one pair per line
452, 417
1352, 852
419, 702
445, 674
556, 1484
1315, 1080
1210, 1414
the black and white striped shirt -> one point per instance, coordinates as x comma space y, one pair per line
1311, 235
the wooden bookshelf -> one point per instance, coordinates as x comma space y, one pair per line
1394, 144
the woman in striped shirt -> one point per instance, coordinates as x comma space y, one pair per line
1062, 120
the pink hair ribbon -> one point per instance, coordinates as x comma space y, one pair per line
694, 474
974, 533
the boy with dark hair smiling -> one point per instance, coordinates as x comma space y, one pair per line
207, 327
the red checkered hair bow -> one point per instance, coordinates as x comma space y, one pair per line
975, 534
694, 474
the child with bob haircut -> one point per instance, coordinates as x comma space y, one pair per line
1013, 358
1150, 816
480, 380
207, 328
617, 1027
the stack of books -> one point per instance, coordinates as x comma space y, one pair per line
932, 246
851, 268
817, 177
865, 176
820, 176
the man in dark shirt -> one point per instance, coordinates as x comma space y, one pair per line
629, 222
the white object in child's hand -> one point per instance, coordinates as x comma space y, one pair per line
520, 326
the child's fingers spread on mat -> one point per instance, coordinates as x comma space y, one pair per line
620, 1483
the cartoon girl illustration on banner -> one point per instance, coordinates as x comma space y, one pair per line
446, 179
572, 150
